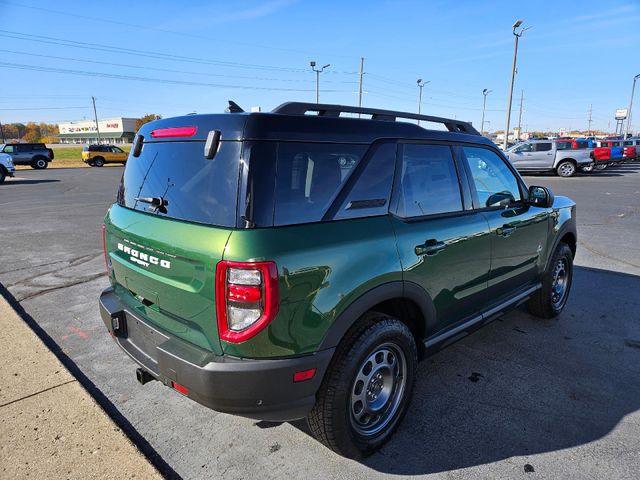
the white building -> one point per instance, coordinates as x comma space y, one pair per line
112, 130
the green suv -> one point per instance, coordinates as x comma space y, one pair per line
298, 263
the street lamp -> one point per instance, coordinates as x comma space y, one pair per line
485, 92
626, 133
421, 84
318, 71
517, 36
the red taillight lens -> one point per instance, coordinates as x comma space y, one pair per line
247, 298
174, 132
104, 247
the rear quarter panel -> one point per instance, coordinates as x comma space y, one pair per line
323, 267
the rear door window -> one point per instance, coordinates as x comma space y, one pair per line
188, 186
426, 182
545, 146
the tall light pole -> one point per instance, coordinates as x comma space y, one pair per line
318, 71
95, 115
626, 133
517, 36
421, 84
485, 92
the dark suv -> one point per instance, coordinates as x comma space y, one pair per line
286, 265
35, 154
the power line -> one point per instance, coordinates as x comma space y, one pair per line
39, 68
39, 108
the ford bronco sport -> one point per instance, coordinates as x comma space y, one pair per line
37, 155
287, 264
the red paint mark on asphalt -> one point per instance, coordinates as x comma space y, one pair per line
79, 332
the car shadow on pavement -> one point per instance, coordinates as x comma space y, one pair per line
27, 182
522, 385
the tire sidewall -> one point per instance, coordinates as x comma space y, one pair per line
563, 251
559, 169
39, 164
98, 162
386, 331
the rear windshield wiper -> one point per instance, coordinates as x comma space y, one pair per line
157, 203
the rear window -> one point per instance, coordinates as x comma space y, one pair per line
291, 183
560, 146
191, 187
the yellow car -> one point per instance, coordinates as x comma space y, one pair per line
98, 155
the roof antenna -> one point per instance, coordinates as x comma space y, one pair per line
233, 108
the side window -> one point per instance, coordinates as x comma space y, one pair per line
426, 181
23, 148
559, 146
525, 147
117, 150
545, 147
372, 189
9, 149
309, 176
495, 183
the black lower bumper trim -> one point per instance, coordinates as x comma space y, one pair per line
260, 389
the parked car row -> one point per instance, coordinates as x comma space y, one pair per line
566, 156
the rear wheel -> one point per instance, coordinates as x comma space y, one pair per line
39, 164
368, 387
98, 162
566, 168
549, 301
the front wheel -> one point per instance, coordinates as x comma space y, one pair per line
368, 387
2, 175
566, 169
550, 300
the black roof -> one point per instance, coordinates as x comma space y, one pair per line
291, 122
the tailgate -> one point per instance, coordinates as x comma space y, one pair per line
165, 270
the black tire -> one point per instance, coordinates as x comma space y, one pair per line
98, 162
39, 163
366, 353
566, 168
3, 175
546, 303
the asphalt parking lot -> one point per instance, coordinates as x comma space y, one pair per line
519, 398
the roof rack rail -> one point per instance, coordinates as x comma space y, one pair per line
328, 110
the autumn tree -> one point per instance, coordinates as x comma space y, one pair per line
32, 133
149, 117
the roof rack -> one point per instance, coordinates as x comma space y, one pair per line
328, 110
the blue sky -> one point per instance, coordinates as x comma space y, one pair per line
174, 58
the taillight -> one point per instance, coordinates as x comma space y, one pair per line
104, 247
247, 298
174, 132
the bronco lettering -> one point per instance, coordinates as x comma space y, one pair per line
143, 259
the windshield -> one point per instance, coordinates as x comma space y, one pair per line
174, 179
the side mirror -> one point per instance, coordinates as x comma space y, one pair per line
540, 197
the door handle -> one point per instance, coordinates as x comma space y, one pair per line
430, 247
506, 230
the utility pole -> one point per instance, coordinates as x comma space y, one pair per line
485, 92
590, 121
520, 114
421, 84
513, 76
626, 133
360, 83
95, 114
318, 72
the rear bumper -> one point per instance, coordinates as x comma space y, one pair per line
260, 389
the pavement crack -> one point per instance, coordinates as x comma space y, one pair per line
37, 393
59, 287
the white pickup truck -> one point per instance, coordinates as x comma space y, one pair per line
6, 167
544, 155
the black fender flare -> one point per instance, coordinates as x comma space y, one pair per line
387, 291
568, 227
